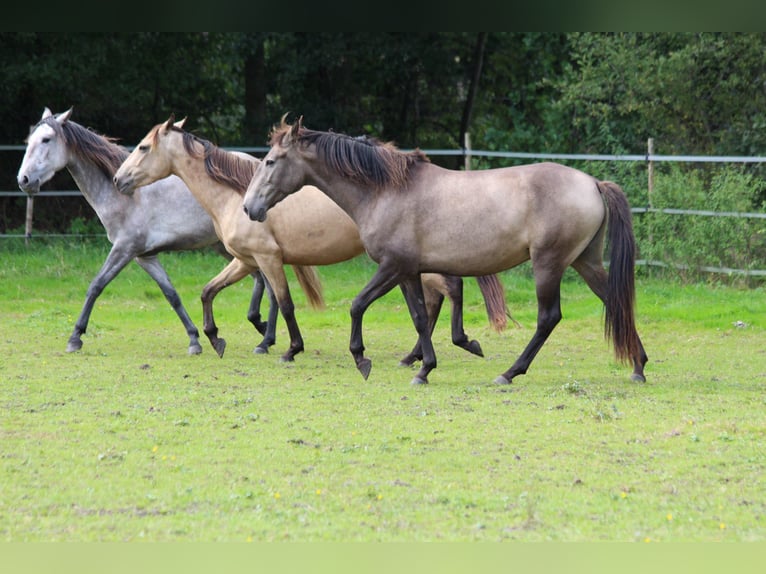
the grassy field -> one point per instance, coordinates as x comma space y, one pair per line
132, 439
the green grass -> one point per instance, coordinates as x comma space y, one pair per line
132, 439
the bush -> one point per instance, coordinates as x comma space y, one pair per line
688, 244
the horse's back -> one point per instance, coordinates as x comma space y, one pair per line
503, 215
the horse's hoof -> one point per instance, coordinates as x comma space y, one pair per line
407, 362
475, 348
287, 358
501, 380
261, 350
636, 378
365, 366
73, 346
418, 381
220, 347
195, 349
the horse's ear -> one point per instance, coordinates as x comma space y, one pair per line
46, 113
293, 135
170, 122
64, 116
180, 123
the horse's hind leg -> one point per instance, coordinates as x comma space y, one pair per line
266, 328
254, 312
114, 263
451, 286
157, 272
233, 272
548, 288
454, 290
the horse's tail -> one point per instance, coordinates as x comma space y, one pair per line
311, 285
494, 300
619, 319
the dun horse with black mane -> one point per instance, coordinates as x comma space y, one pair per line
416, 217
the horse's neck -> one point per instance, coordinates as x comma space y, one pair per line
349, 196
97, 188
217, 199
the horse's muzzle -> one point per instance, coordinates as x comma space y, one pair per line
124, 185
30, 187
257, 214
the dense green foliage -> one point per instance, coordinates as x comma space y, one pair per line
695, 93
606, 93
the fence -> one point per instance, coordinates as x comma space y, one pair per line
649, 159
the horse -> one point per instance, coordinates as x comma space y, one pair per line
139, 227
309, 229
416, 217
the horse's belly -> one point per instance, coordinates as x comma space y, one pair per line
319, 242
478, 262
311, 229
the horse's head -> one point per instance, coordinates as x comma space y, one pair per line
46, 152
279, 174
151, 160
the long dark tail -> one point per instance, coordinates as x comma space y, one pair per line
311, 285
494, 300
619, 320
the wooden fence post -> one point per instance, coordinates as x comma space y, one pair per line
467, 150
28, 221
649, 153
650, 185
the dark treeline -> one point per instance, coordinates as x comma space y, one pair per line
694, 93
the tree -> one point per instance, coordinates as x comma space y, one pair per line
695, 93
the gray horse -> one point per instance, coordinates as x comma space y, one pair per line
139, 227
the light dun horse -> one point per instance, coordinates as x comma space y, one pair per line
138, 227
308, 229
417, 217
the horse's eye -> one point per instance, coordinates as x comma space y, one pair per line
269, 162
46, 140
143, 148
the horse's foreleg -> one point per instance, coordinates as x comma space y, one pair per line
433, 289
233, 272
114, 263
157, 272
548, 316
268, 328
412, 288
381, 283
273, 269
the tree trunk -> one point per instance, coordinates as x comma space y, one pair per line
478, 59
256, 124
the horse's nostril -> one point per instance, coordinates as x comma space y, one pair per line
245, 208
